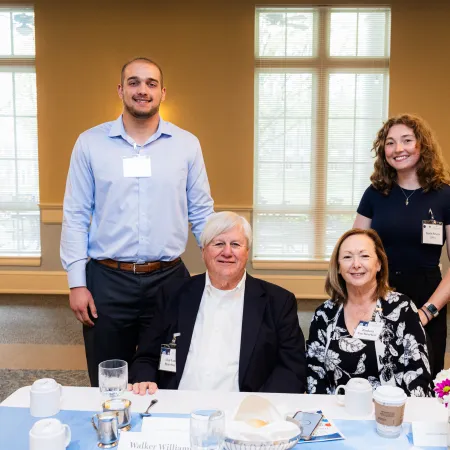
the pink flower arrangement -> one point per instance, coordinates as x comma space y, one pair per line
442, 386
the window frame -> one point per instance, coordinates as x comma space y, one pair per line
322, 65
20, 63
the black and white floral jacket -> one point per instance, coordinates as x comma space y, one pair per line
401, 354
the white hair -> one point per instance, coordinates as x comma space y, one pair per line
222, 222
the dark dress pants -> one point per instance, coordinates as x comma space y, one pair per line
419, 285
125, 305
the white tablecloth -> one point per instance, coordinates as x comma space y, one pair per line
90, 399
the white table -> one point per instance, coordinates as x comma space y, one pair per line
89, 399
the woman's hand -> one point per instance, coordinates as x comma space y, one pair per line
143, 387
424, 319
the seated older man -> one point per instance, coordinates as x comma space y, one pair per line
222, 330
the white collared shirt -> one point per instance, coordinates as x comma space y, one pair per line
212, 362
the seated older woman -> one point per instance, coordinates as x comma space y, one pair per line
365, 330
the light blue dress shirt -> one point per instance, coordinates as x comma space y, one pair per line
107, 215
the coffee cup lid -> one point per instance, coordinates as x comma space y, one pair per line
390, 394
46, 427
44, 385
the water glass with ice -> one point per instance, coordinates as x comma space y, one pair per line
113, 377
207, 429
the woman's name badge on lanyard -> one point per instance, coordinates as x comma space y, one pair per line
432, 231
137, 166
168, 357
368, 331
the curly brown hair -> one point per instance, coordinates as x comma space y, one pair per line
432, 170
335, 285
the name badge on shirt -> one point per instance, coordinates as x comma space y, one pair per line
138, 166
168, 357
432, 232
368, 331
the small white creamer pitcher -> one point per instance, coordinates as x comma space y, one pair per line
357, 398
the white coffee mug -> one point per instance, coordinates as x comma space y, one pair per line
45, 398
49, 434
357, 398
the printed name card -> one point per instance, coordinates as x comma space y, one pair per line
158, 433
135, 441
156, 441
167, 425
430, 434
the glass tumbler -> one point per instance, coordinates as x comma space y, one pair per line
113, 377
207, 429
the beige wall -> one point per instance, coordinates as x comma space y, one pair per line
206, 50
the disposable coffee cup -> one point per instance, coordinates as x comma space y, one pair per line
389, 410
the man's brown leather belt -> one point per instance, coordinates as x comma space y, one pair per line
138, 268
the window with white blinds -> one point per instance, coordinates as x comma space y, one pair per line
19, 178
321, 94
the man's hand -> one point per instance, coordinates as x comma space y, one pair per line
141, 388
80, 300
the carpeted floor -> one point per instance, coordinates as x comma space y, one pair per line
38, 319
39, 337
11, 380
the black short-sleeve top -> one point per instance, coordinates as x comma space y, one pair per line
400, 225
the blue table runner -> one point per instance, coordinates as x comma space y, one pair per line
15, 424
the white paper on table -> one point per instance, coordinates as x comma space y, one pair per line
170, 424
156, 441
430, 434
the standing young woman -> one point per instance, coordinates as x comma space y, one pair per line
408, 204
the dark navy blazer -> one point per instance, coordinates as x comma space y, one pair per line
272, 356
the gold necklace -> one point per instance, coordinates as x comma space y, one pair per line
407, 196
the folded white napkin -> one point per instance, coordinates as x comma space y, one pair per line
254, 407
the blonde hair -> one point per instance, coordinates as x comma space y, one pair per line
432, 171
335, 285
221, 222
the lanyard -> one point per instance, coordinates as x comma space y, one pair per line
173, 344
432, 215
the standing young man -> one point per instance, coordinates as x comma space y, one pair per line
133, 186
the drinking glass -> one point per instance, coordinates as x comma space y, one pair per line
113, 377
207, 429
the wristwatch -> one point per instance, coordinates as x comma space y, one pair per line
431, 309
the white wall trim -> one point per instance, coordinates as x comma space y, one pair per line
55, 282
31, 261
52, 213
290, 265
235, 208
33, 282
304, 287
